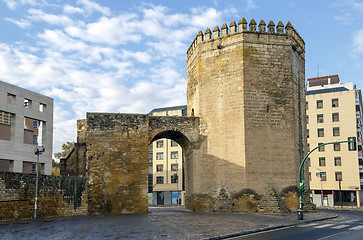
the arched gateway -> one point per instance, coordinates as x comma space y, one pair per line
243, 137
117, 156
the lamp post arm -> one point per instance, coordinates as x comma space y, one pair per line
301, 188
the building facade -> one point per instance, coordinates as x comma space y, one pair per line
334, 113
26, 121
166, 161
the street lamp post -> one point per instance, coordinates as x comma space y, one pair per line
37, 151
351, 147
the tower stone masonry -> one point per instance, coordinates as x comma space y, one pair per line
247, 86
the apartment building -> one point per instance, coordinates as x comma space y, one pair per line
26, 121
166, 161
334, 113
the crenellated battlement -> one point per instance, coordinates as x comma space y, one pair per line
252, 27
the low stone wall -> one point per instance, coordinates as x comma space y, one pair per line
247, 200
58, 196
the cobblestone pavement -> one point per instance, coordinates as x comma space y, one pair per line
159, 223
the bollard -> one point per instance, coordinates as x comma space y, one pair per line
300, 215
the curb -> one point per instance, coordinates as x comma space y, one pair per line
342, 209
238, 234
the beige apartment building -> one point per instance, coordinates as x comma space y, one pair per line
334, 113
166, 161
26, 121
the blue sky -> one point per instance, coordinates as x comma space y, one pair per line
129, 56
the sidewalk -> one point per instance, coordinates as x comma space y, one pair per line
159, 223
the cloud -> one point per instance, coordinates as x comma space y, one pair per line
58, 40
142, 57
92, 7
358, 41
67, 9
12, 4
22, 23
113, 31
351, 10
250, 5
39, 15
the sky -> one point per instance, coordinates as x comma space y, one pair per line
130, 56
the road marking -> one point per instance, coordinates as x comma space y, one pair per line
340, 226
262, 232
331, 235
351, 221
325, 225
308, 225
356, 227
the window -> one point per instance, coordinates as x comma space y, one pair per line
322, 148
309, 176
319, 104
309, 162
336, 146
334, 102
34, 167
336, 132
160, 144
150, 156
11, 98
307, 105
35, 138
307, 133
337, 161
174, 155
320, 132
307, 119
159, 180
357, 108
5, 118
42, 107
174, 144
35, 124
335, 117
174, 178
159, 167
174, 167
308, 146
322, 161
159, 156
338, 176
322, 176
27, 103
320, 118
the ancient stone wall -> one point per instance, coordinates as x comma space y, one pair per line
247, 85
117, 153
57, 196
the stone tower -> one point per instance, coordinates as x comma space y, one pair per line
246, 84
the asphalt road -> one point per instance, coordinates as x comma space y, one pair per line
349, 225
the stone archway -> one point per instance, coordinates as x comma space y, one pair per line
167, 168
117, 156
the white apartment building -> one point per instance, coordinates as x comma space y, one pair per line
26, 121
166, 161
334, 113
